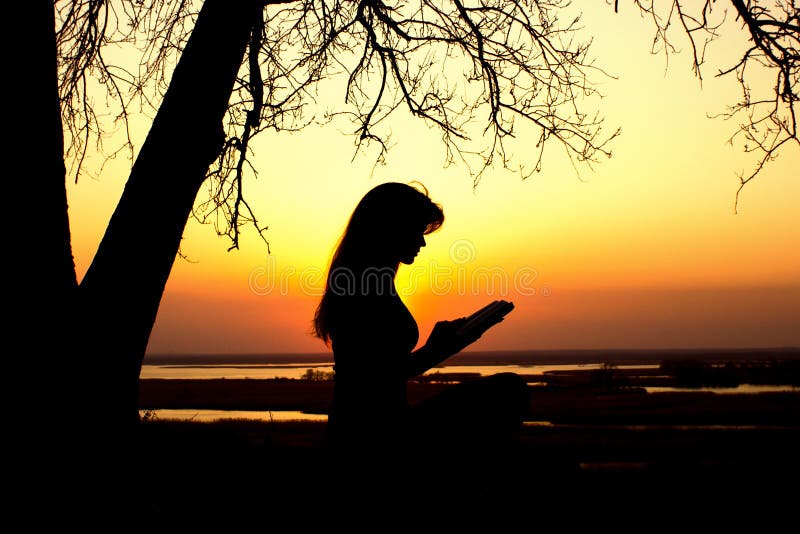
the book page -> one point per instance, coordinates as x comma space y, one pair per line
488, 313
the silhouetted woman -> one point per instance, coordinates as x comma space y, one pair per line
373, 336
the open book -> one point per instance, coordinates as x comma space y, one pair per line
489, 314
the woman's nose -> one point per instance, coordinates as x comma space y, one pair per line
422, 242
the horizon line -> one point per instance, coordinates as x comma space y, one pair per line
618, 349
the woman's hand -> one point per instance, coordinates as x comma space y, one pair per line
447, 338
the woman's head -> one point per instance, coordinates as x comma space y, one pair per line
387, 228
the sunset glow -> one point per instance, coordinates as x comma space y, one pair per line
643, 251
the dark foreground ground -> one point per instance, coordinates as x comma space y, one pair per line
592, 458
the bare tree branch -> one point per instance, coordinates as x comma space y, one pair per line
87, 31
767, 122
522, 65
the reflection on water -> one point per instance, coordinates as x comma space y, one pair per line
270, 371
231, 371
205, 416
486, 370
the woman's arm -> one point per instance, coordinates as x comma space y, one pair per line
422, 359
445, 340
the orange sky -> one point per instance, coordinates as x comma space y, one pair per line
643, 251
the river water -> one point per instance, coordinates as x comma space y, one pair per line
271, 371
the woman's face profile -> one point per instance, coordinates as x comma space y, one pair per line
408, 244
389, 225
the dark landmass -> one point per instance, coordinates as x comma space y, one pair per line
604, 460
559, 405
597, 451
603, 395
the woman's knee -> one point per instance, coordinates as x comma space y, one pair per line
510, 382
513, 389
508, 379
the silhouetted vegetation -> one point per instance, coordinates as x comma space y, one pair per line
318, 375
686, 371
449, 377
607, 377
704, 373
695, 373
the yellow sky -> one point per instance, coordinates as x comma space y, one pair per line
643, 251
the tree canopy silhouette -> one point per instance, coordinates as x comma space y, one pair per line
767, 118
508, 63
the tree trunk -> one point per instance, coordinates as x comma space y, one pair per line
78, 350
41, 284
122, 289
45, 269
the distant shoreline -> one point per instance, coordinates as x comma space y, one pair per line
503, 357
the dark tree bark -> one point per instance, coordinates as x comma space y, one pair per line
41, 283
122, 289
83, 344
41, 231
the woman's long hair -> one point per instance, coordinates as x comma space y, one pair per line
385, 212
